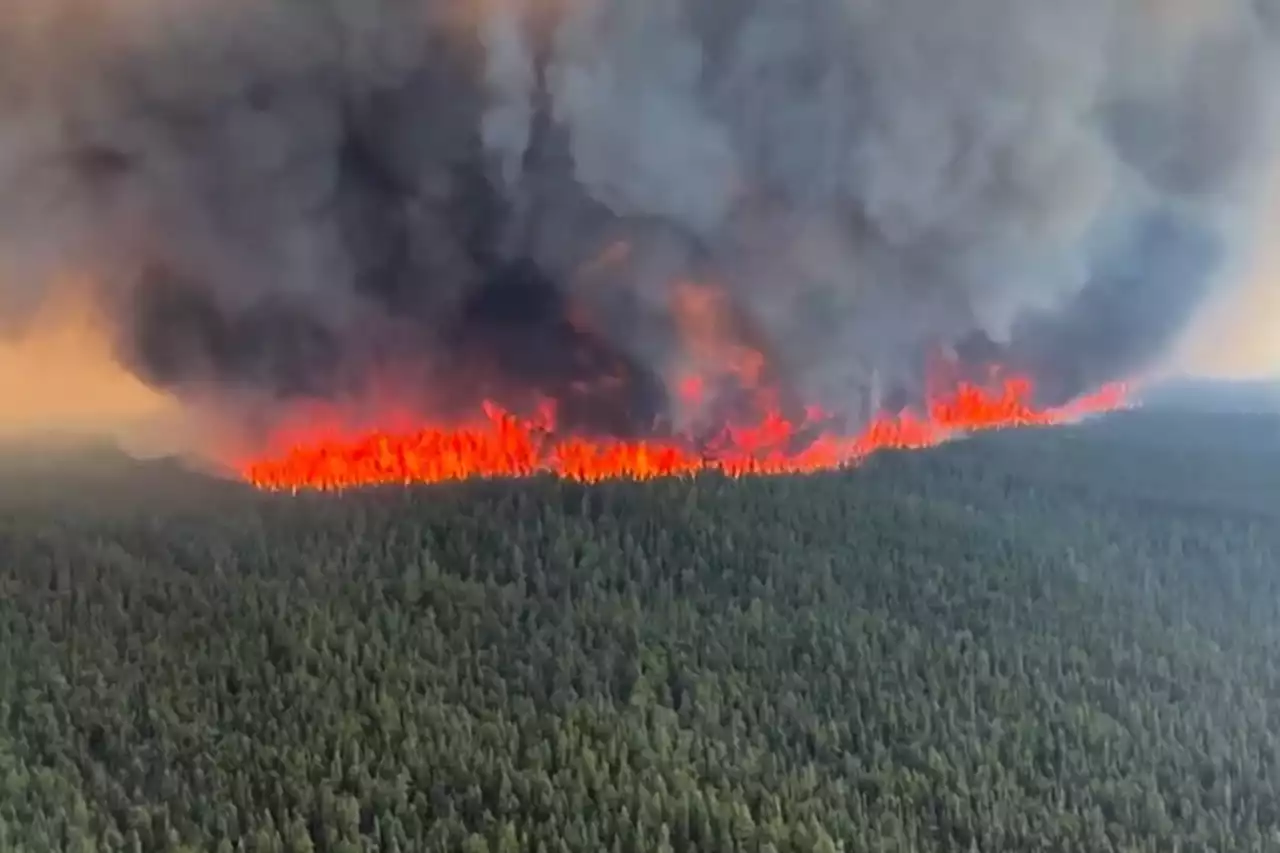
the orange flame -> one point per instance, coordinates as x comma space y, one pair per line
504, 445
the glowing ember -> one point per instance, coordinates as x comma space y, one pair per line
503, 445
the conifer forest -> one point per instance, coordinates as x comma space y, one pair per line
1038, 640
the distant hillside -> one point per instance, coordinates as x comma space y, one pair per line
1215, 395
84, 470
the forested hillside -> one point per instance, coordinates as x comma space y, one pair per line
1063, 640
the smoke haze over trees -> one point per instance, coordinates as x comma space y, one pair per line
285, 198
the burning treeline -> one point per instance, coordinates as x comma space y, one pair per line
658, 220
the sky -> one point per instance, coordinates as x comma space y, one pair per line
60, 378
1239, 337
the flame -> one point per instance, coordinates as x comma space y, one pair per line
502, 444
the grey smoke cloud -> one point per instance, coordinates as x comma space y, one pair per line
287, 197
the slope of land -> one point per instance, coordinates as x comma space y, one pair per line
1258, 396
1039, 641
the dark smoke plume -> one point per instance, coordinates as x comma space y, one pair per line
285, 198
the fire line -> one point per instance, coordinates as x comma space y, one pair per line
503, 445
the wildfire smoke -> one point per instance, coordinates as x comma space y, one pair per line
661, 218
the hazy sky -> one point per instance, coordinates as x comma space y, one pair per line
1240, 336
60, 377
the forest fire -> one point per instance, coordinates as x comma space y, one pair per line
551, 395
504, 445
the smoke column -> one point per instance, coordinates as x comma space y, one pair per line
289, 199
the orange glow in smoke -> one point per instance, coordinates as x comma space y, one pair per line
503, 445
712, 342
